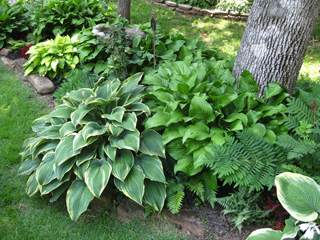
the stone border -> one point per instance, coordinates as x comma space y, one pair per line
196, 11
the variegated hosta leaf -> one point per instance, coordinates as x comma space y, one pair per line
45, 172
130, 83
108, 90
32, 185
129, 122
85, 155
114, 129
28, 166
64, 150
265, 234
116, 114
127, 140
51, 132
56, 193
152, 167
54, 184
97, 176
93, 129
133, 185
123, 163
151, 143
139, 108
62, 169
110, 151
81, 94
79, 114
61, 111
96, 101
79, 142
39, 124
80, 170
155, 194
46, 147
66, 129
78, 198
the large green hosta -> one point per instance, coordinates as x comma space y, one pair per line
91, 138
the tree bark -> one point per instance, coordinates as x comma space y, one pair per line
275, 41
124, 7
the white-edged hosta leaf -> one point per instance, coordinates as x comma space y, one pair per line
39, 124
116, 114
299, 195
85, 155
54, 184
107, 91
139, 108
66, 129
126, 140
93, 129
115, 129
62, 169
32, 185
129, 122
46, 147
265, 234
49, 156
155, 194
151, 143
201, 109
51, 132
123, 163
45, 172
36, 142
97, 176
110, 151
79, 114
133, 185
28, 166
80, 170
56, 193
96, 101
81, 94
152, 167
57, 121
130, 83
62, 112
79, 142
78, 198
64, 150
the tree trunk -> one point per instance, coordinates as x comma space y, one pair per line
275, 41
124, 8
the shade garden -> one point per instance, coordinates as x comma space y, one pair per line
184, 130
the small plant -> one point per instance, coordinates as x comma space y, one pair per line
53, 57
24, 51
299, 195
242, 6
91, 139
197, 3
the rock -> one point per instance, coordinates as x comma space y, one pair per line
5, 52
206, 11
7, 62
129, 210
184, 6
219, 12
196, 9
159, 1
43, 85
159, 4
171, 4
179, 10
19, 63
172, 8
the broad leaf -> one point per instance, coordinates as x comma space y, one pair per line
201, 109
55, 184
93, 129
97, 176
163, 119
66, 129
62, 169
126, 140
151, 143
123, 163
265, 234
64, 150
81, 94
51, 132
85, 155
155, 194
32, 185
273, 89
78, 114
116, 114
152, 167
45, 172
28, 166
78, 199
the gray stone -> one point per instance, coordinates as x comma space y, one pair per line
160, 1
219, 12
172, 8
171, 4
196, 9
179, 10
184, 6
5, 52
43, 85
243, 18
19, 63
159, 4
7, 62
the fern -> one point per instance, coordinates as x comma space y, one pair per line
196, 186
175, 202
246, 161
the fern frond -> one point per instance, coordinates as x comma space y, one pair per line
196, 186
174, 202
174, 187
210, 196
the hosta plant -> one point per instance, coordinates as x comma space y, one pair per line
53, 57
92, 139
299, 195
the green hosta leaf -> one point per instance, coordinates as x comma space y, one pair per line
299, 195
62, 169
265, 234
270, 136
66, 129
51, 132
28, 166
96, 101
171, 133
32, 185
185, 164
259, 129
126, 140
55, 184
198, 131
237, 116
93, 129
210, 180
133, 185
152, 167
100, 66
97, 176
236, 125
223, 100
155, 194
199, 157
253, 117
151, 143
64, 150
45, 172
115, 129
110, 151
181, 68
79, 142
201, 109
79, 114
247, 83
122, 165
116, 114
78, 199
164, 119
273, 89
85, 155
219, 135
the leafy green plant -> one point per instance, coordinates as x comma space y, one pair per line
242, 6
76, 79
53, 57
91, 138
197, 3
299, 195
12, 21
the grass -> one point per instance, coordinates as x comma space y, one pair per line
34, 218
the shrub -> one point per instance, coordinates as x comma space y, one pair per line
197, 3
242, 6
91, 138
